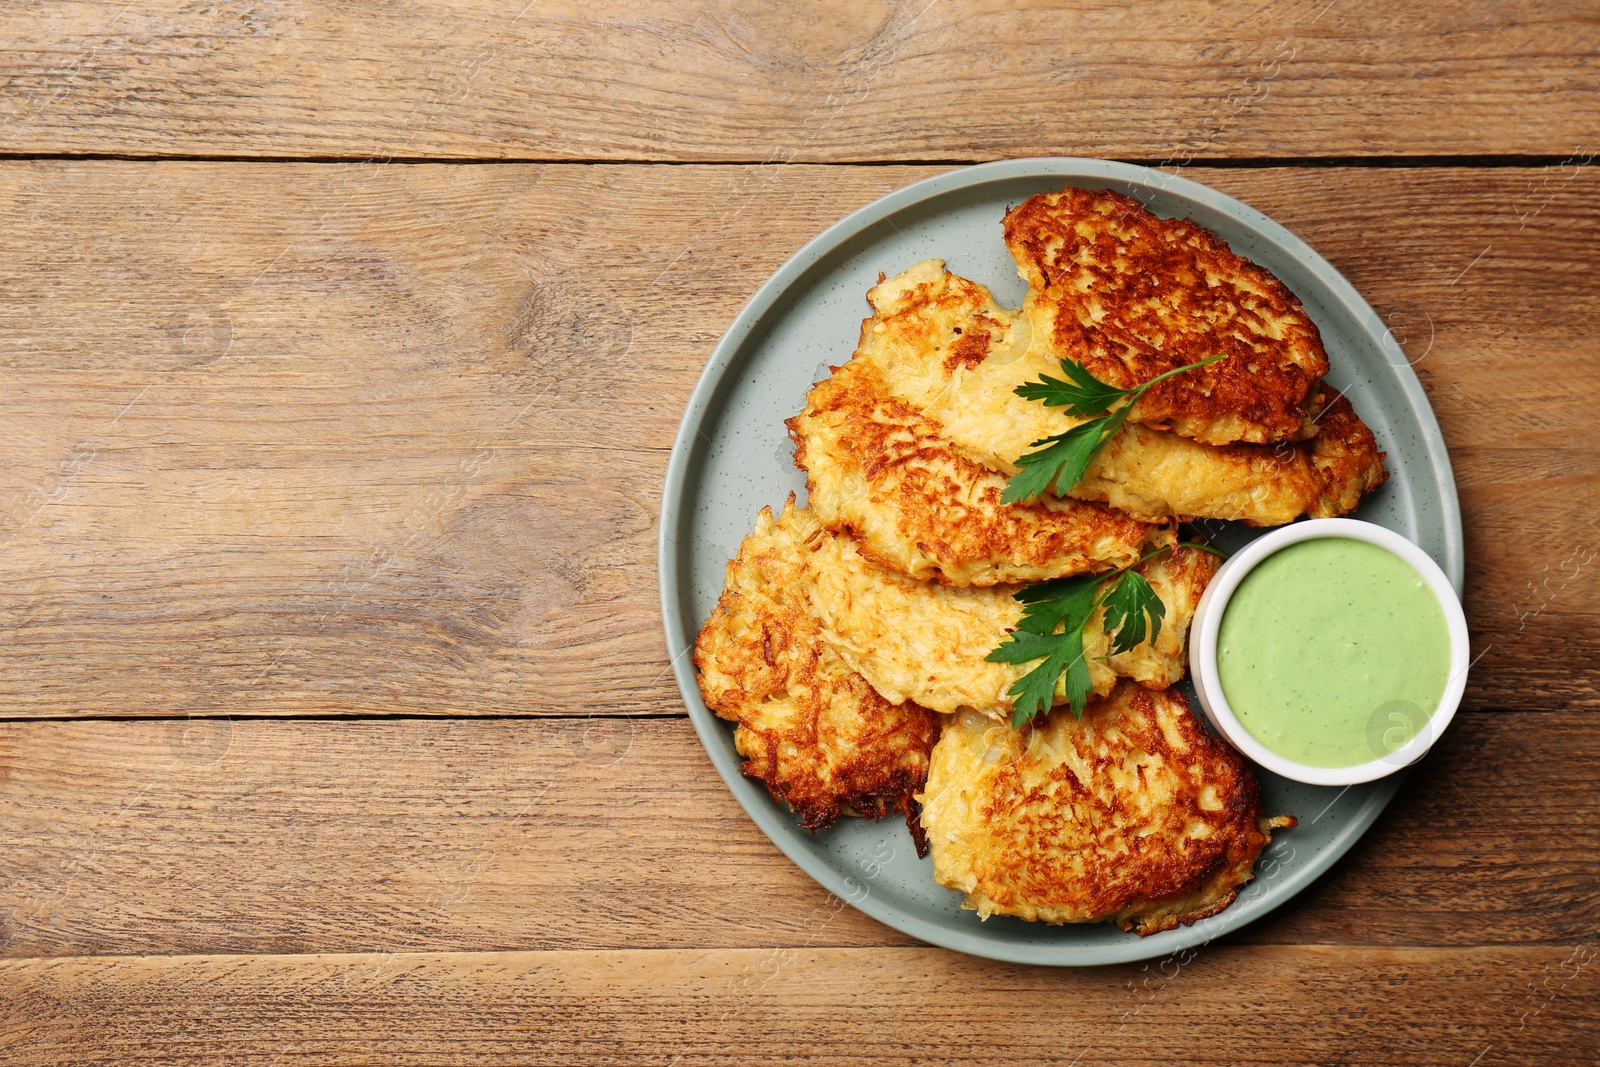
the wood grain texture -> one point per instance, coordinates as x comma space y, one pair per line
1227, 1005
307, 439
714, 80
264, 836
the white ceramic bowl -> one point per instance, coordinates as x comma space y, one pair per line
1208, 620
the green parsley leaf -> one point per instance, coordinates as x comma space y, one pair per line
1077, 681
1061, 460
1035, 692
1081, 393
1132, 608
1065, 459
1047, 604
1020, 646
1053, 616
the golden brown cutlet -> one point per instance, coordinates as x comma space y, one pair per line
809, 726
910, 340
880, 470
1134, 815
1130, 296
1156, 475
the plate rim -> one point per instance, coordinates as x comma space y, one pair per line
777, 826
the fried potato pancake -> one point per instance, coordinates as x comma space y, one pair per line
1155, 475
1134, 815
880, 470
809, 726
1130, 296
925, 643
919, 319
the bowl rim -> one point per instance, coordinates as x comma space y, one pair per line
1208, 622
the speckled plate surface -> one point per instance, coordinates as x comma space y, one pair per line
732, 456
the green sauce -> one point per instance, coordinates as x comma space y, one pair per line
1333, 652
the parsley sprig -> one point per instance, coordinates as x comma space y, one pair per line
1060, 460
1054, 615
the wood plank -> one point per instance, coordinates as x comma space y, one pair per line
184, 837
303, 439
711, 80
825, 1006
388, 836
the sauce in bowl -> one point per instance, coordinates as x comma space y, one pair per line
1333, 652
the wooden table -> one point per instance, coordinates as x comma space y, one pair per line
341, 351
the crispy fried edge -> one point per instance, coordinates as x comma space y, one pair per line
1346, 458
895, 793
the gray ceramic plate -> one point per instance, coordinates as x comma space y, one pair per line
732, 456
